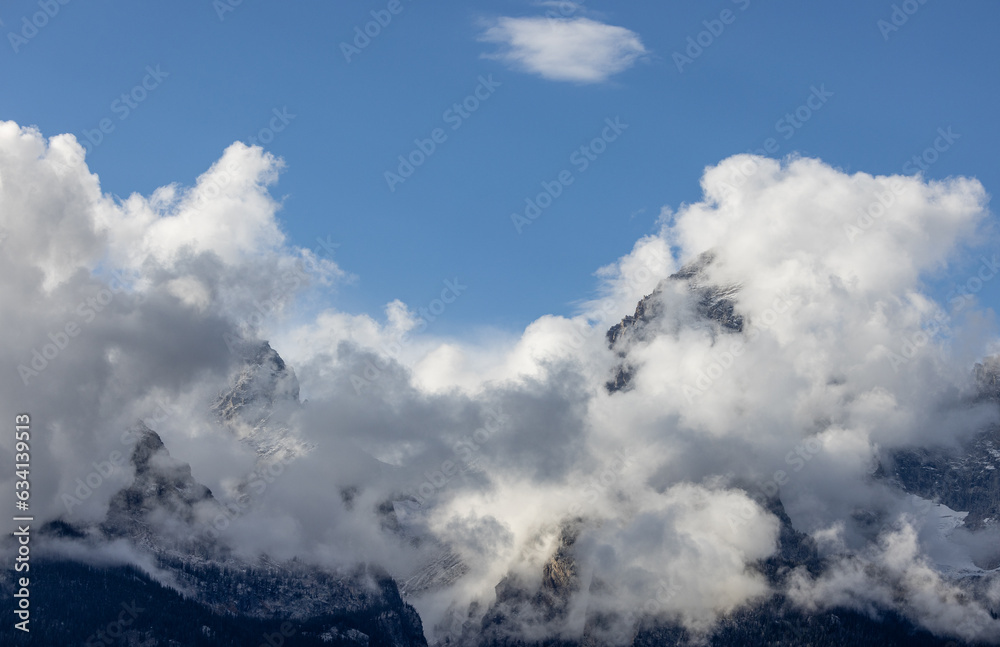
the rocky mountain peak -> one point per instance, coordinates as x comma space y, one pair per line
714, 302
987, 374
148, 444
162, 485
264, 390
264, 381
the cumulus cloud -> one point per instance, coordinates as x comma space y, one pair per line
129, 302
682, 550
413, 451
564, 49
894, 573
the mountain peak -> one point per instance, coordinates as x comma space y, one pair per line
263, 381
713, 302
161, 483
987, 376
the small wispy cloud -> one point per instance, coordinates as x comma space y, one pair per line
564, 49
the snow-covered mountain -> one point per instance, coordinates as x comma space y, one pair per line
163, 513
165, 518
951, 488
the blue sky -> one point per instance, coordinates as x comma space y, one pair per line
224, 74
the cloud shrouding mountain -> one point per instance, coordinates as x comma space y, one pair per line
490, 450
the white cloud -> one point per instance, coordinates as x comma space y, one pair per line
895, 569
229, 212
575, 49
812, 393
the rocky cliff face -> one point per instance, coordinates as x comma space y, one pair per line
163, 489
164, 513
963, 480
988, 378
264, 382
966, 478
167, 515
713, 302
521, 609
264, 393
